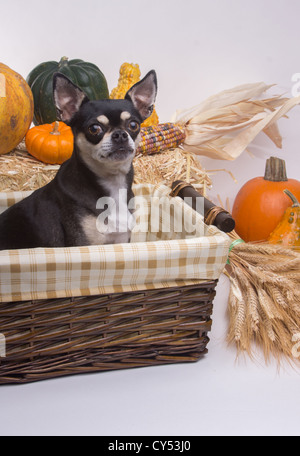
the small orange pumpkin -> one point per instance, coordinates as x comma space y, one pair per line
50, 143
261, 203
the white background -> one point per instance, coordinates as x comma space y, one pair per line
198, 49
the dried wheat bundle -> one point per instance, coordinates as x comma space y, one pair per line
223, 126
264, 300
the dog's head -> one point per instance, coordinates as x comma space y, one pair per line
106, 132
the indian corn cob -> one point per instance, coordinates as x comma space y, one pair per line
160, 137
129, 75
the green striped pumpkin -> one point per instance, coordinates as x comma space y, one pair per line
85, 75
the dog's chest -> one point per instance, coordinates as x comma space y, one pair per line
114, 221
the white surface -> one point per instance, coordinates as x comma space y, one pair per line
215, 396
198, 49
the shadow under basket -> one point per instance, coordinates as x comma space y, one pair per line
87, 309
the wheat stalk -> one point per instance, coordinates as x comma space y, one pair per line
264, 299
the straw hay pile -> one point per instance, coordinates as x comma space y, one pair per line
22, 172
221, 127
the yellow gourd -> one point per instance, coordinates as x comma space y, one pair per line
287, 231
129, 75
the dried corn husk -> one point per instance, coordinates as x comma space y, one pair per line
224, 125
264, 299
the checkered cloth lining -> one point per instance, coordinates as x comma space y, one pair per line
158, 259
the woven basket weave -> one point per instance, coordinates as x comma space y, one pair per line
126, 325
89, 334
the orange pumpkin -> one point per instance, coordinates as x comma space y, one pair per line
16, 108
50, 143
260, 204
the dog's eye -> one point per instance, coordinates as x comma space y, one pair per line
95, 129
133, 125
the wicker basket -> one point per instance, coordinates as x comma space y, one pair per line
156, 310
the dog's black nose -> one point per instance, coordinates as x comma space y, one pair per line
120, 136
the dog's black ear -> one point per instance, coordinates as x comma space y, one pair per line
143, 94
67, 97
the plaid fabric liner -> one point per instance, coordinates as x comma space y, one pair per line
159, 259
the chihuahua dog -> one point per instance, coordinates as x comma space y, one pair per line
66, 211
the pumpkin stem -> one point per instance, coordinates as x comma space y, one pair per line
63, 61
275, 170
293, 198
55, 130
